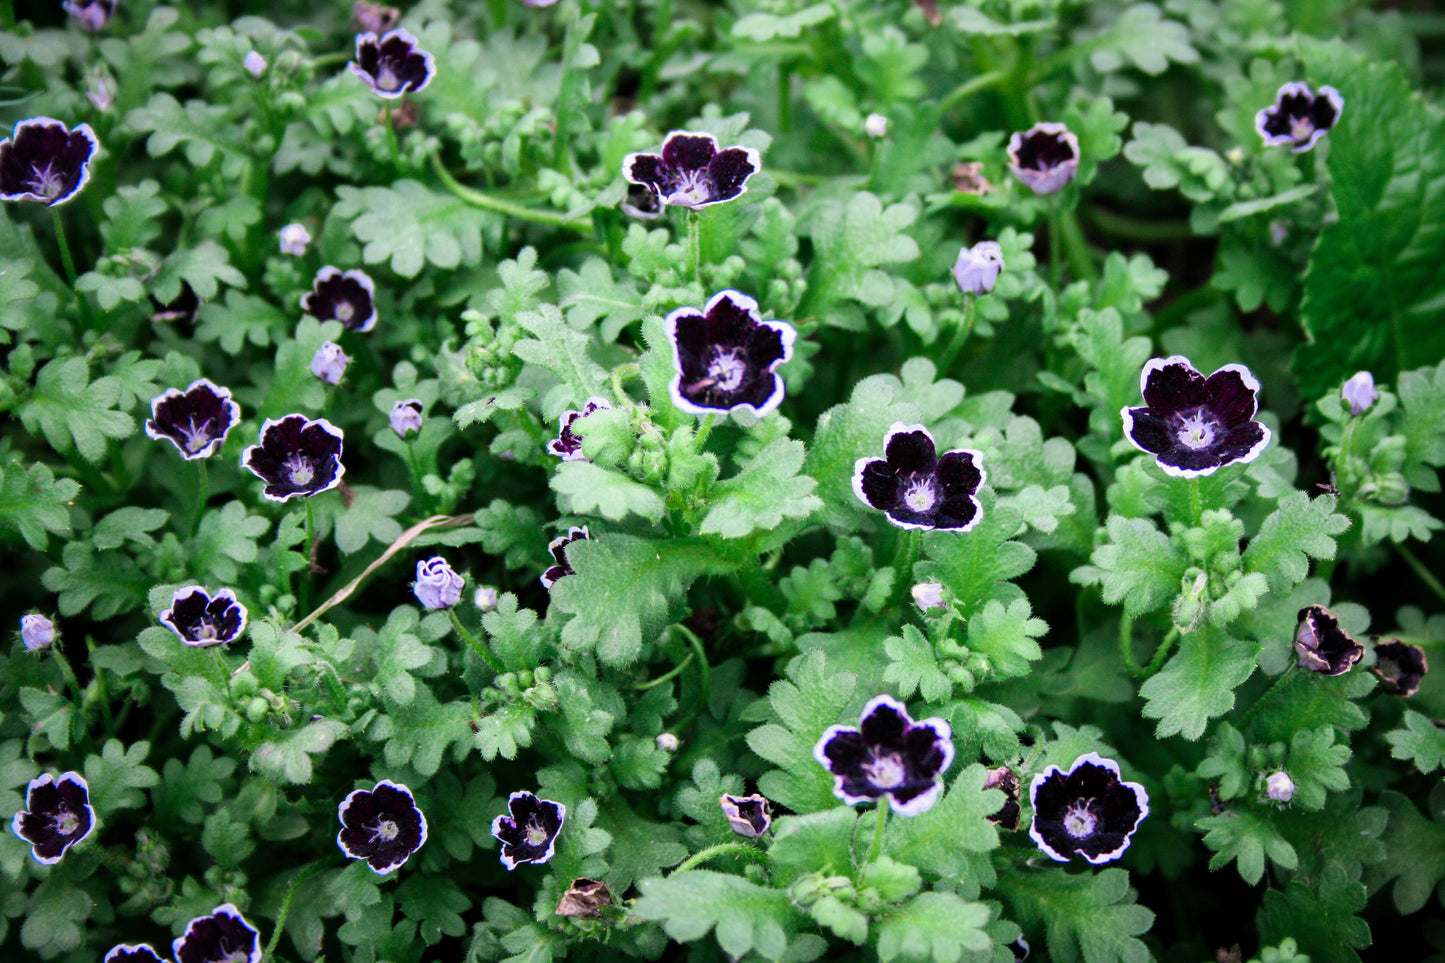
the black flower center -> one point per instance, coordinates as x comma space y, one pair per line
1079, 819
65, 822
725, 371
46, 181
886, 770
1196, 429
921, 494
299, 470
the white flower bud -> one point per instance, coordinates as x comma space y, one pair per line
876, 126
978, 267
486, 598
436, 585
329, 363
928, 595
1279, 787
255, 64
667, 742
294, 238
406, 416
36, 632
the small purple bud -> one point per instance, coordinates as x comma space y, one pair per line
406, 416
1359, 392
37, 632
928, 595
100, 90
330, 362
485, 599
436, 585
978, 267
1279, 787
876, 126
255, 64
294, 238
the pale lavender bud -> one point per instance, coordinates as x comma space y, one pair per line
978, 267
99, 91
1359, 392
329, 363
928, 595
406, 416
876, 126
485, 599
667, 742
1279, 787
255, 64
36, 632
436, 585
294, 238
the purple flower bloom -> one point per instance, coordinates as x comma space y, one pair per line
436, 585
345, 296
726, 356
875, 126
1045, 157
196, 420
91, 15
392, 65
1322, 645
888, 755
374, 17
978, 267
916, 488
1359, 392
1299, 118
128, 953
1195, 425
382, 826
1400, 666
567, 445
294, 238
222, 937
584, 898
181, 308
296, 456
691, 171
1086, 810
36, 632
529, 833
1003, 778
406, 416
45, 161
57, 815
1279, 787
748, 815
558, 548
200, 619
329, 363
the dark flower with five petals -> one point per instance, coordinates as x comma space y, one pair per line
127, 953
393, 64
222, 937
1003, 778
91, 15
1400, 666
1299, 118
558, 548
748, 815
915, 487
584, 898
1322, 645
57, 815
45, 161
726, 356
345, 296
1195, 425
1087, 810
296, 456
382, 826
529, 833
180, 309
196, 420
568, 445
1044, 158
691, 171
888, 755
201, 619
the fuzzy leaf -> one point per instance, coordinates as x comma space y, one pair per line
1246, 837
768, 490
937, 927
915, 667
1420, 741
74, 413
977, 568
203, 266
1139, 566
851, 243
1321, 916
1301, 528
1087, 917
805, 704
952, 840
1316, 763
1006, 636
408, 225
591, 294
1142, 38
747, 917
1198, 682
35, 503
371, 515
562, 351
1414, 854
117, 775
589, 489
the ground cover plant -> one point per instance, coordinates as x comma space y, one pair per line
771, 480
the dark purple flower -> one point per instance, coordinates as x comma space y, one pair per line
726, 356
748, 815
196, 420
127, 953
382, 826
691, 171
558, 548
45, 161
641, 203
406, 417
345, 296
36, 632
1086, 810
1008, 815
1400, 666
1322, 645
181, 308
917, 488
201, 619
529, 834
91, 15
222, 937
567, 445
296, 456
374, 17
888, 755
584, 898
1045, 157
1298, 118
1195, 425
436, 585
392, 65
57, 815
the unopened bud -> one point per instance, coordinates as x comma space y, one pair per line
928, 595
329, 363
1279, 787
36, 632
876, 126
255, 64
667, 742
1359, 392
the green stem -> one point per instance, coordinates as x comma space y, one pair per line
304, 590
970, 87
721, 849
785, 97
326, 60
203, 493
413, 466
70, 680
1126, 648
1419, 568
1137, 228
1056, 247
673, 673
481, 650
960, 335
620, 374
102, 693
68, 262
1076, 247
1196, 502
694, 246
391, 148
879, 825
704, 674
910, 546
703, 430
1162, 653
582, 225
285, 911
223, 673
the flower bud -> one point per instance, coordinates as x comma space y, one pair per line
406, 416
255, 64
36, 632
436, 585
978, 267
1279, 787
1359, 392
928, 595
667, 742
486, 598
101, 90
330, 362
294, 238
876, 126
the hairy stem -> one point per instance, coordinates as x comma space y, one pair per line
879, 825
960, 335
68, 262
1426, 576
285, 910
476, 646
582, 225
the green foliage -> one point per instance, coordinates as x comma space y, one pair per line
1089, 917
1420, 741
746, 917
1246, 837
1198, 682
34, 503
803, 706
767, 490
73, 413
408, 225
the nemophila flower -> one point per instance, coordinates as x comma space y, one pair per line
128, 953
978, 267
691, 171
749, 816
726, 356
667, 742
1400, 666
1086, 810
1195, 425
927, 595
1044, 158
568, 445
294, 238
222, 937
201, 619
1359, 392
529, 833
1279, 787
90, 15
641, 203
875, 126
888, 755
57, 815
382, 826
345, 296
584, 898
968, 179
195, 420
255, 64
1322, 645
45, 161
37, 633
329, 362
485, 598
558, 548
393, 64
1003, 778
406, 417
915, 487
1299, 118
437, 586
374, 17
296, 456
180, 309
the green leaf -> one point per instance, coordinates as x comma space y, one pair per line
370, 516
501, 731
1139, 566
420, 732
767, 490
850, 431
915, 667
117, 775
937, 927
52, 716
287, 757
410, 225
952, 840
1226, 762
562, 351
35, 503
436, 903
1246, 837
1301, 528
820, 842
110, 581
1321, 915
242, 318
1316, 764
1422, 397
977, 567
761, 27
1142, 38
747, 917
591, 294
54, 918
227, 839
1198, 682
203, 266
813, 700
187, 790
1088, 917
850, 243
1414, 854
640, 848
1420, 741
589, 489
1006, 636
225, 540
1169, 162
128, 525
74, 413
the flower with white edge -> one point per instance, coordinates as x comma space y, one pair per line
1194, 425
749, 816
57, 815
255, 64
1279, 787
406, 417
529, 831
296, 456
1322, 644
726, 356
978, 267
345, 296
1359, 392
691, 171
37, 632
888, 755
222, 937
915, 487
329, 363
382, 825
200, 619
45, 161
195, 420
1087, 810
437, 586
132, 953
558, 548
928, 595
568, 444
392, 64
1399, 666
1298, 118
1044, 158
294, 238
875, 126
